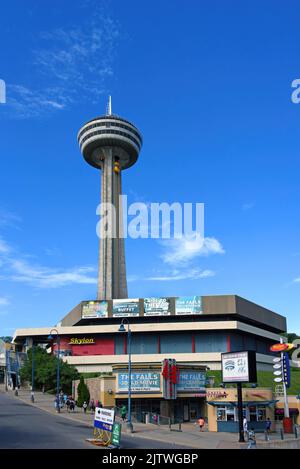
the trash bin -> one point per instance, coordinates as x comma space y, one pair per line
288, 425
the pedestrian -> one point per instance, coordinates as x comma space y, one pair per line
123, 412
268, 428
251, 439
92, 405
201, 423
68, 404
84, 405
245, 428
72, 405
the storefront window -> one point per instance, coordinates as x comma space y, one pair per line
230, 414
261, 414
221, 414
225, 414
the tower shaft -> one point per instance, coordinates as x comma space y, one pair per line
112, 281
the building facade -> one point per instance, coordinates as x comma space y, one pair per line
192, 330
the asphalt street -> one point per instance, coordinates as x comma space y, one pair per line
23, 426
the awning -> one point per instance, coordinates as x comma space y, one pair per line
245, 403
222, 404
261, 403
292, 410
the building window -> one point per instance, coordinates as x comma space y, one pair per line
226, 414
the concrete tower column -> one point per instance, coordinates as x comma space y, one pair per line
112, 282
111, 144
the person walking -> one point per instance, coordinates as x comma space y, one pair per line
123, 412
72, 405
201, 423
268, 428
245, 428
92, 405
251, 439
84, 405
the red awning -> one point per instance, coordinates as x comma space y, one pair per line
293, 411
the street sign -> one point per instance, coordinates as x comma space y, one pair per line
116, 434
104, 418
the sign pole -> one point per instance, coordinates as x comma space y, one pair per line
286, 404
240, 411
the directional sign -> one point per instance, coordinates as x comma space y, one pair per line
116, 434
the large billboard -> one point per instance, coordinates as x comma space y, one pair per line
191, 381
239, 367
188, 305
94, 309
157, 307
144, 381
128, 307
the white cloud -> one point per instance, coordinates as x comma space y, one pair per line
188, 274
9, 219
4, 301
296, 280
4, 247
248, 206
72, 64
186, 249
44, 277
19, 269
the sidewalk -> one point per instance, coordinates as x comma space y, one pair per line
189, 437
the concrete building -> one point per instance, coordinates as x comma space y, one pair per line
192, 330
112, 144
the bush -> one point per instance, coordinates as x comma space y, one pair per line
83, 393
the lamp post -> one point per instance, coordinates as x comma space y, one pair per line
123, 329
32, 374
50, 337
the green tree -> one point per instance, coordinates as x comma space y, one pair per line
82, 392
45, 371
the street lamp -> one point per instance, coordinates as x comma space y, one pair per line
32, 373
50, 337
123, 329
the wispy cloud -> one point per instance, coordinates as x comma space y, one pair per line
4, 247
9, 219
296, 280
186, 274
72, 64
185, 249
248, 206
4, 301
17, 268
44, 277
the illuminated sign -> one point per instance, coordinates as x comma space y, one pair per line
239, 367
281, 347
83, 341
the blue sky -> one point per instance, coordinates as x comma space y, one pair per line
209, 85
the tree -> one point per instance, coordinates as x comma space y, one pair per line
45, 368
82, 392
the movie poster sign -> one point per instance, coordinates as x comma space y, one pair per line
191, 381
146, 381
188, 305
94, 309
157, 307
128, 307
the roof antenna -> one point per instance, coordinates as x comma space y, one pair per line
108, 108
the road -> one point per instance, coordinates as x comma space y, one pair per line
25, 427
